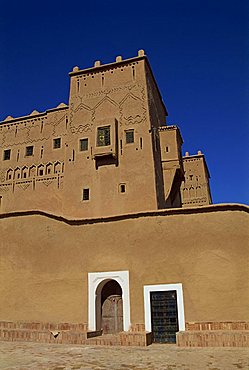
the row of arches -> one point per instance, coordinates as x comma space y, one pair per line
192, 192
34, 170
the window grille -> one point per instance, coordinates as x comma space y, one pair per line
83, 145
57, 143
103, 136
164, 316
129, 136
29, 150
86, 194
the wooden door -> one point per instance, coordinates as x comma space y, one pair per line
112, 314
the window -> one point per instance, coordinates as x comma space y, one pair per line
141, 143
57, 143
83, 145
6, 154
129, 136
86, 194
122, 188
29, 150
103, 136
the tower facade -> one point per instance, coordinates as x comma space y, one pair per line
108, 152
195, 188
105, 153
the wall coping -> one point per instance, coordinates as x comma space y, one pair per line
165, 212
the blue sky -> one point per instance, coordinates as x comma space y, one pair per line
198, 51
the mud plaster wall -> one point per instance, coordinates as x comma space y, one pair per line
44, 263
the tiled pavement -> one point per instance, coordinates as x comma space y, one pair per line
26, 356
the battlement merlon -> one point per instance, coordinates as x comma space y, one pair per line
119, 62
33, 115
172, 128
197, 156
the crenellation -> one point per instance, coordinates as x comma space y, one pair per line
89, 232
112, 132
195, 189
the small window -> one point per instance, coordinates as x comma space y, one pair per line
86, 194
167, 149
41, 172
29, 150
6, 154
122, 188
103, 136
83, 145
129, 136
57, 143
141, 143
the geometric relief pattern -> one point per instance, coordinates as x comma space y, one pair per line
24, 186
3, 174
32, 171
106, 107
132, 113
192, 192
59, 124
34, 129
126, 103
80, 119
47, 182
5, 188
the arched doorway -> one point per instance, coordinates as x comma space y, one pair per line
109, 307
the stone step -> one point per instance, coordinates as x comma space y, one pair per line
105, 340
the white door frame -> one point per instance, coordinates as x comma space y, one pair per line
94, 279
163, 288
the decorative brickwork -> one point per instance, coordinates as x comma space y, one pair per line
213, 338
68, 333
214, 334
212, 325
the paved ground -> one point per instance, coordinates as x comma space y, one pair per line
25, 356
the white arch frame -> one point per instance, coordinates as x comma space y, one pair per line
162, 288
94, 279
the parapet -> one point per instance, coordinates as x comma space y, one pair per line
97, 64
34, 113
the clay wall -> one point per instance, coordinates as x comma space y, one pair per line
44, 269
33, 181
123, 96
112, 95
195, 188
